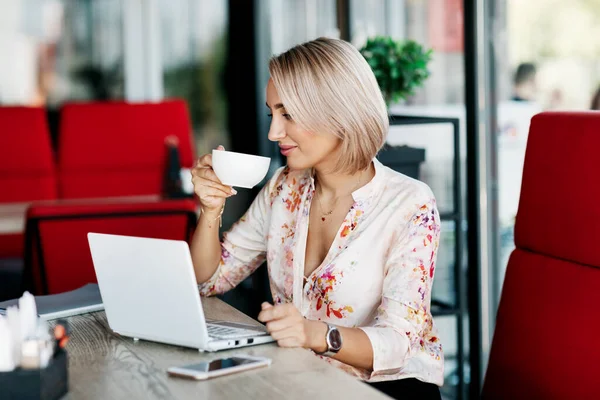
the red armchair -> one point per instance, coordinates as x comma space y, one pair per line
544, 342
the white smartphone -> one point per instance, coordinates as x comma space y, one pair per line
219, 367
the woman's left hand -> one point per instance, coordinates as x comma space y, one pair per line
290, 329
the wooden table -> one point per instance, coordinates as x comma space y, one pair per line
104, 365
12, 218
13, 215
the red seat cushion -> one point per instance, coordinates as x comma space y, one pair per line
62, 229
545, 328
543, 345
118, 149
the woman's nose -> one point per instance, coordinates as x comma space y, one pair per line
276, 131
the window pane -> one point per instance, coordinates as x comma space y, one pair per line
193, 46
436, 25
60, 51
297, 21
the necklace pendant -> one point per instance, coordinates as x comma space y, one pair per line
323, 219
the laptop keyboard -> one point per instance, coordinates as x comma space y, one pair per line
226, 332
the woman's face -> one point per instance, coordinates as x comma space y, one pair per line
303, 149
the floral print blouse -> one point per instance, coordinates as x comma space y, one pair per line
377, 275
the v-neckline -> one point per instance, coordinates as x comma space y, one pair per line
300, 239
328, 255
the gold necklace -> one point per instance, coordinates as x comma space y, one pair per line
328, 213
335, 200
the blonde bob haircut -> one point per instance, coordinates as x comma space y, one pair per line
326, 85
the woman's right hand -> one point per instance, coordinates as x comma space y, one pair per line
209, 189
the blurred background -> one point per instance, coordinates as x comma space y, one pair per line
535, 55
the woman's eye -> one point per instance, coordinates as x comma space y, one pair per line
287, 116
270, 115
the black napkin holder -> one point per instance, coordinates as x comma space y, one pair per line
50, 383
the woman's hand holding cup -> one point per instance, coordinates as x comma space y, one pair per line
209, 189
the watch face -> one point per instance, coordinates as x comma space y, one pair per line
335, 340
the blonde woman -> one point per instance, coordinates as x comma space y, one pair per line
350, 244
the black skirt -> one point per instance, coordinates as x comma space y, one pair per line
409, 388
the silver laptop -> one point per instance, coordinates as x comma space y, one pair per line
149, 292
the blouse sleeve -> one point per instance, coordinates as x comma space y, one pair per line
403, 323
244, 246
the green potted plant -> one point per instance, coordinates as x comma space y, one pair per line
399, 66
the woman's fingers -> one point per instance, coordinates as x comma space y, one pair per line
206, 160
212, 192
290, 337
217, 185
204, 187
207, 185
209, 175
280, 324
279, 311
289, 332
206, 173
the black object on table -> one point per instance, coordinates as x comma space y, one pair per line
50, 383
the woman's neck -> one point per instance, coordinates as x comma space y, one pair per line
337, 185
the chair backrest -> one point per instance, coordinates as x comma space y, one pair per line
404, 159
118, 149
58, 257
544, 340
27, 169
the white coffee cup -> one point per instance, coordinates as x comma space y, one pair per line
238, 169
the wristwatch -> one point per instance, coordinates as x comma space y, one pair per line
333, 337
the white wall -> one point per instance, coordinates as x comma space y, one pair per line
18, 56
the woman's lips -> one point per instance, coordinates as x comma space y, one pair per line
287, 150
